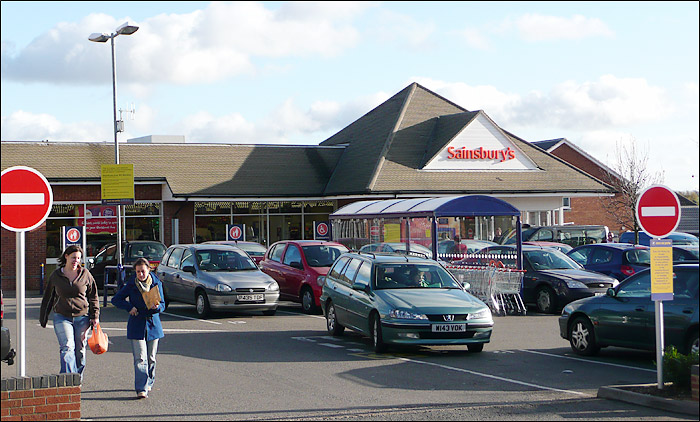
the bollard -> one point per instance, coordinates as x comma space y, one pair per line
41, 279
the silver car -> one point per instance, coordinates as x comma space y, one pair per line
216, 277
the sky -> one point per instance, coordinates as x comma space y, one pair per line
604, 75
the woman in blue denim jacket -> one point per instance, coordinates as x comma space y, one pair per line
144, 328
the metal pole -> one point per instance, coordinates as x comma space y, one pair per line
21, 305
116, 147
659, 308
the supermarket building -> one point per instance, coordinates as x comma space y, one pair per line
415, 144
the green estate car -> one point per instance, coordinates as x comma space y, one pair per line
402, 300
624, 317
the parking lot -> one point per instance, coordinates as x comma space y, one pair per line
250, 366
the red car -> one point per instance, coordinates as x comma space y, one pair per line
255, 250
296, 266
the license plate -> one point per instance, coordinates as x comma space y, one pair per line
251, 298
449, 328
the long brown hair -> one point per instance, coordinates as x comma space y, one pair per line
69, 250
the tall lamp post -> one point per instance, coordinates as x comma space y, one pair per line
123, 29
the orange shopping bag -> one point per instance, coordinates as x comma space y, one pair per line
98, 342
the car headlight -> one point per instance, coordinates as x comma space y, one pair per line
483, 314
273, 287
223, 288
398, 314
573, 284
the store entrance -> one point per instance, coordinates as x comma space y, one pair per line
285, 227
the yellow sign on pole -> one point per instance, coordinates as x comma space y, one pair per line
661, 269
117, 184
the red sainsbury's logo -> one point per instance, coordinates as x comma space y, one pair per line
480, 154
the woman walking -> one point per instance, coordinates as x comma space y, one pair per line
144, 328
71, 293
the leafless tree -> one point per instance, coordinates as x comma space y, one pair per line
630, 175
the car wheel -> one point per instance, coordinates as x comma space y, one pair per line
475, 348
202, 304
308, 305
693, 344
582, 337
377, 339
334, 328
545, 300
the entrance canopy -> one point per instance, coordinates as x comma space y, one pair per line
448, 226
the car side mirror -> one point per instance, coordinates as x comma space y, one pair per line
610, 292
361, 287
189, 269
297, 265
466, 285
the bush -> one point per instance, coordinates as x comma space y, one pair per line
677, 367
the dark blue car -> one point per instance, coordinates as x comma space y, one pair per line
678, 238
619, 260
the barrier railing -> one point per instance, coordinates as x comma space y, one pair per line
497, 286
119, 276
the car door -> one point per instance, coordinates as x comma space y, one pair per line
292, 271
272, 264
628, 318
337, 290
681, 312
601, 260
359, 301
172, 277
186, 280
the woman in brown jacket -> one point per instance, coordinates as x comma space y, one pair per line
71, 293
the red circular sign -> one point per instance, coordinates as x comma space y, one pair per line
322, 229
26, 199
235, 232
658, 211
73, 235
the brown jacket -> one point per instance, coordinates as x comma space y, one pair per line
70, 299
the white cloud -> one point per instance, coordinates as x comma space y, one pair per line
388, 26
219, 41
25, 126
475, 38
535, 27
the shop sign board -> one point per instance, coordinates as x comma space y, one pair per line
73, 236
235, 232
322, 230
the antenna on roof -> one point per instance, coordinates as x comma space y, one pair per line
129, 112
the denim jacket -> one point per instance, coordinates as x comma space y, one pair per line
146, 325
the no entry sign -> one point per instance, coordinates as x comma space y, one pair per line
26, 199
658, 211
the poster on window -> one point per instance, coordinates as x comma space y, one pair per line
101, 219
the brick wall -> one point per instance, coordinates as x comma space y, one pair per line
44, 398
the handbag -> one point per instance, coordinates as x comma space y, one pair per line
98, 342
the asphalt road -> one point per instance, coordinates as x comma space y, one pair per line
286, 367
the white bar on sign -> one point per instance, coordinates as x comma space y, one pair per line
658, 211
22, 199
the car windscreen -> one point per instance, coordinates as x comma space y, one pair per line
224, 260
527, 233
150, 251
253, 249
550, 259
638, 257
413, 276
322, 255
683, 239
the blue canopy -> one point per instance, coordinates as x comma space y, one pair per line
451, 206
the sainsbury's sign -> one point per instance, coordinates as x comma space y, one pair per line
480, 154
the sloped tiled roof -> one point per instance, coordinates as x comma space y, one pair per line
189, 169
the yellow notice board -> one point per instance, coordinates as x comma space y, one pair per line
117, 184
661, 269
392, 232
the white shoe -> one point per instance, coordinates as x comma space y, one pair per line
142, 395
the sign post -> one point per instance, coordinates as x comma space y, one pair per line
26, 202
658, 213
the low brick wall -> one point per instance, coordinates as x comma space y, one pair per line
45, 398
694, 381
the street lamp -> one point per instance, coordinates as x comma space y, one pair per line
123, 29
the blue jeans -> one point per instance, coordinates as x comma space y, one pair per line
144, 363
70, 333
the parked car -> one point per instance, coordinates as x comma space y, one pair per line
551, 278
402, 300
678, 238
619, 260
682, 253
254, 249
572, 235
561, 247
447, 247
296, 265
625, 316
397, 247
6, 351
131, 251
216, 277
